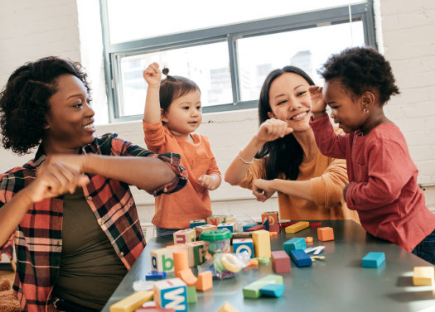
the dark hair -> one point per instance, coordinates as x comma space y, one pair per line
285, 154
24, 101
173, 87
361, 69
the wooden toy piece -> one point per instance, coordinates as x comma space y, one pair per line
132, 302
296, 227
202, 228
315, 250
325, 234
266, 224
154, 309
315, 225
280, 261
252, 264
182, 269
309, 240
273, 218
238, 235
273, 234
244, 244
423, 276
373, 259
226, 307
184, 236
216, 219
162, 260
248, 226
197, 252
171, 293
194, 223
253, 290
295, 243
300, 258
256, 228
273, 290
192, 297
155, 275
205, 281
261, 241
230, 226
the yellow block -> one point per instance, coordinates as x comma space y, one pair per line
423, 276
261, 241
297, 227
226, 307
132, 302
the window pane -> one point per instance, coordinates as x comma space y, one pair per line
207, 65
138, 19
307, 49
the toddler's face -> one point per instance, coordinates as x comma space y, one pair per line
346, 111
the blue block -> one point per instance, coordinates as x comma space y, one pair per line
300, 258
373, 259
295, 243
266, 224
155, 275
272, 290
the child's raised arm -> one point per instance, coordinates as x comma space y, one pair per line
152, 76
318, 104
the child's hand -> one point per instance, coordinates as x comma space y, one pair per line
152, 75
318, 104
273, 129
262, 189
208, 182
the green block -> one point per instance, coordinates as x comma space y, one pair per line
191, 294
253, 289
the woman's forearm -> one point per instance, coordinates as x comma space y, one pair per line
300, 189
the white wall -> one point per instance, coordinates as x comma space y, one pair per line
31, 29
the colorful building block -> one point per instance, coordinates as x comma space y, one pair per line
155, 275
184, 236
162, 260
132, 302
171, 293
192, 296
296, 227
205, 281
216, 219
423, 276
244, 244
280, 262
253, 290
256, 228
295, 243
194, 223
230, 226
325, 234
182, 269
248, 226
261, 241
272, 290
266, 224
206, 227
226, 307
197, 252
315, 225
300, 258
273, 218
309, 239
373, 259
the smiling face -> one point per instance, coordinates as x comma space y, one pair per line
70, 122
184, 115
346, 111
290, 101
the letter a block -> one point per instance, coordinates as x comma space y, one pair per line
243, 244
171, 293
162, 260
184, 236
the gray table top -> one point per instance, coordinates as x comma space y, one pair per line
338, 283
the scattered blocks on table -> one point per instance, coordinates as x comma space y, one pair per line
132, 302
300, 258
423, 276
373, 259
202, 228
205, 281
244, 244
295, 243
226, 307
194, 223
184, 236
155, 275
280, 261
171, 293
247, 226
273, 290
197, 252
162, 260
296, 227
261, 241
216, 219
253, 290
256, 228
192, 296
325, 234
230, 226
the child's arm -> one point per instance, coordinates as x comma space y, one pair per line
270, 130
152, 76
211, 182
318, 104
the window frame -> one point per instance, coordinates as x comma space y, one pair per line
230, 34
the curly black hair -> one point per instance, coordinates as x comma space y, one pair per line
24, 101
361, 69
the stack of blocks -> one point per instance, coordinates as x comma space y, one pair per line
253, 290
272, 218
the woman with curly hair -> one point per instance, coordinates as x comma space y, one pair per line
70, 209
383, 185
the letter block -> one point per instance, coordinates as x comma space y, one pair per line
184, 236
244, 244
325, 234
162, 260
261, 241
273, 218
206, 227
171, 293
197, 252
194, 223
295, 243
216, 219
230, 226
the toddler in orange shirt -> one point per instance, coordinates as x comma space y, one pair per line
172, 113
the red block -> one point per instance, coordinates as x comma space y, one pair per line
280, 261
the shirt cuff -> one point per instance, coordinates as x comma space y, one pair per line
180, 181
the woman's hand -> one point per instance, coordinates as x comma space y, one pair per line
318, 104
262, 189
273, 129
153, 75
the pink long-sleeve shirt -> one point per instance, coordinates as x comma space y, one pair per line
383, 181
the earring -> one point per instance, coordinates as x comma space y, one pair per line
365, 110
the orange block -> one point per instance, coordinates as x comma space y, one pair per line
308, 239
181, 261
205, 281
188, 277
325, 234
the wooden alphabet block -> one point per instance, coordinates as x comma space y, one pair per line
171, 293
194, 223
244, 244
216, 219
206, 227
273, 218
162, 260
197, 252
184, 236
230, 226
